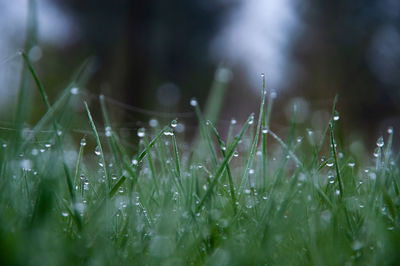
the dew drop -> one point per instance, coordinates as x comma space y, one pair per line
35, 152
141, 132
193, 102
4, 145
351, 164
65, 214
134, 162
390, 130
153, 122
107, 131
233, 121
235, 154
376, 152
380, 142
329, 164
47, 145
251, 121
174, 123
74, 91
251, 171
168, 132
97, 150
264, 130
83, 142
59, 132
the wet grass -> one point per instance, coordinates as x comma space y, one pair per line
233, 201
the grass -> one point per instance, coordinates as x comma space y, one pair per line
234, 201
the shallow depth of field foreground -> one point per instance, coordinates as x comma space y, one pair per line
251, 198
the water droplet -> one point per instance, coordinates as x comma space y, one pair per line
223, 148
247, 191
329, 164
337, 192
101, 164
351, 163
380, 142
83, 142
74, 91
299, 139
114, 177
35, 152
251, 171
262, 75
193, 102
107, 131
65, 214
235, 154
274, 94
47, 145
336, 116
97, 150
233, 121
168, 132
134, 162
251, 121
59, 132
264, 130
26, 164
153, 122
174, 123
4, 145
141, 132
310, 132
376, 152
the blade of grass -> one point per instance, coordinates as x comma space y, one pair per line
110, 138
222, 166
253, 149
58, 136
228, 169
24, 97
97, 138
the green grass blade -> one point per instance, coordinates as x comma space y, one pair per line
222, 166
253, 149
228, 169
100, 149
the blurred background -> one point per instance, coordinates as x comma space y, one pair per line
157, 55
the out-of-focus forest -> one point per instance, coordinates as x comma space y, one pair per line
159, 54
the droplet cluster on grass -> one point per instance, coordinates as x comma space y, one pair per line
248, 197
